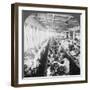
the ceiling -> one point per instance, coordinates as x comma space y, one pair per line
57, 22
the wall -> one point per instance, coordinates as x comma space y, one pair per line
5, 45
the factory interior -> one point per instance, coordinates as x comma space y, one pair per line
51, 44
